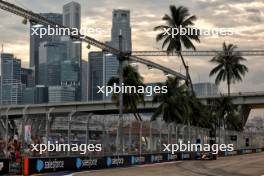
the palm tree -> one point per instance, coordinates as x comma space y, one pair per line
131, 100
179, 18
229, 67
173, 104
180, 107
226, 115
200, 114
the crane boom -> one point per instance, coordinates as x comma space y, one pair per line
38, 19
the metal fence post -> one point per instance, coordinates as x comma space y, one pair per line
176, 133
24, 120
160, 136
168, 133
48, 127
140, 140
87, 129
69, 128
130, 138
150, 137
7, 128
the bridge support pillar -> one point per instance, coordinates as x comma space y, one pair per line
244, 113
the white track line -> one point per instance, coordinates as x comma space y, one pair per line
136, 166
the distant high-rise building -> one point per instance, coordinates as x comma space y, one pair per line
35, 41
84, 80
60, 94
72, 19
36, 95
69, 74
51, 55
121, 25
110, 69
11, 85
95, 67
205, 89
72, 15
27, 77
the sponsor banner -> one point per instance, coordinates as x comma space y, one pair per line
172, 157
41, 165
88, 163
259, 150
227, 153
156, 158
246, 151
185, 156
116, 161
4, 166
135, 159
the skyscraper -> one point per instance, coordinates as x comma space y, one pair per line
11, 86
72, 19
103, 66
36, 95
27, 77
51, 55
110, 69
95, 67
84, 80
59, 94
121, 24
35, 41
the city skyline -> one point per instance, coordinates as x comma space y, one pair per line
248, 16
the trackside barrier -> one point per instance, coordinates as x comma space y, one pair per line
241, 152
54, 164
44, 165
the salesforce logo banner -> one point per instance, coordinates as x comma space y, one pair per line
85, 163
155, 158
246, 151
41, 165
171, 157
186, 156
114, 161
137, 160
258, 150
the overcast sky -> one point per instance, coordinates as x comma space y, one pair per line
245, 16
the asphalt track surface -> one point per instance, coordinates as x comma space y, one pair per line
242, 165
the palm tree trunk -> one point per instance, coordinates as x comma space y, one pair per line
228, 85
189, 80
189, 83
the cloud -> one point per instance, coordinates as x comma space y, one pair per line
245, 16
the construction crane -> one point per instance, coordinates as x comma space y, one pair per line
38, 19
133, 56
196, 53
